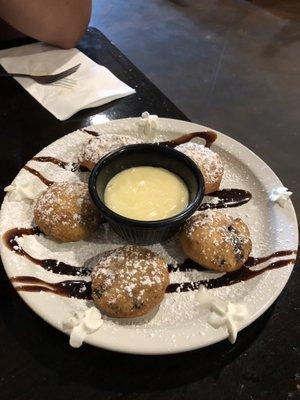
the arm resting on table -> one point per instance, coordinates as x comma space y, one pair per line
58, 22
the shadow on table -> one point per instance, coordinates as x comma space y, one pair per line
114, 371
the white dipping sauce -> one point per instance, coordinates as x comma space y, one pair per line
146, 193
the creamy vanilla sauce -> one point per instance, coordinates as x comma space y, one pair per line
146, 193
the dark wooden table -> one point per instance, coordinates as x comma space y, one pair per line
36, 362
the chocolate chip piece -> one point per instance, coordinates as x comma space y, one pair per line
137, 304
98, 292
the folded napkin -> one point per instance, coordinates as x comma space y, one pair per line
90, 86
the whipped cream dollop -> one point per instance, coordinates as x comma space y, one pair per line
27, 190
149, 122
81, 324
222, 313
280, 195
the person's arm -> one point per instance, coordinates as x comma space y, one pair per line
58, 22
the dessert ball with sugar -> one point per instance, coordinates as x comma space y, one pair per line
129, 282
216, 240
209, 163
97, 147
66, 212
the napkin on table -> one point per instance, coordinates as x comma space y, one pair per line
92, 85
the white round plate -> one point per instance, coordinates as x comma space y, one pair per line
179, 324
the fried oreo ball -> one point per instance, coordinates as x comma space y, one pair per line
66, 212
129, 281
216, 240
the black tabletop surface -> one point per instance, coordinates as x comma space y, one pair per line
36, 361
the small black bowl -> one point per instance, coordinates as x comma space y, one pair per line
146, 232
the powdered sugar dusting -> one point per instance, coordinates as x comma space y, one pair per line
199, 219
97, 147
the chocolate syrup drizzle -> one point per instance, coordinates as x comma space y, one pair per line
57, 267
70, 288
93, 133
39, 175
230, 278
227, 198
73, 167
82, 290
208, 136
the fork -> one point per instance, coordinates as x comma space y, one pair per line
44, 79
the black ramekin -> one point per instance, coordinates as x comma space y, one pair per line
146, 232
